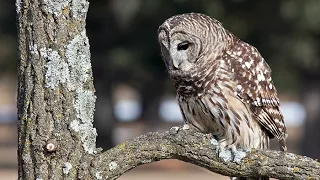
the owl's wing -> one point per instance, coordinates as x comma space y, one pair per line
255, 88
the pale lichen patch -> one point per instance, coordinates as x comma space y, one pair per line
89, 139
27, 158
74, 70
113, 165
78, 59
84, 105
225, 154
239, 155
79, 8
87, 135
55, 6
18, 6
33, 48
57, 69
98, 175
74, 125
67, 167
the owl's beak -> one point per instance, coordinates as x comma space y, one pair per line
176, 63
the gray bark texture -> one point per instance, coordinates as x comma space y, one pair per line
55, 91
56, 104
196, 148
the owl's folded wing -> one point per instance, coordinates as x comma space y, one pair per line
255, 88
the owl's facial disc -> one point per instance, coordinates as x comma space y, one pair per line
181, 54
180, 50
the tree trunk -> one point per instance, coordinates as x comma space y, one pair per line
55, 92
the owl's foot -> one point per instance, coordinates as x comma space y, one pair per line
231, 154
176, 129
186, 127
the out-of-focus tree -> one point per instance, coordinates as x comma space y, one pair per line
286, 33
8, 40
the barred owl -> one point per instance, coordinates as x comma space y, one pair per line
223, 84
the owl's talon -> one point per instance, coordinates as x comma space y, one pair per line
213, 141
174, 129
229, 153
186, 127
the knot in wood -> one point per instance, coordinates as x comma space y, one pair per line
51, 145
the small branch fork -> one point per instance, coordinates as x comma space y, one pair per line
195, 148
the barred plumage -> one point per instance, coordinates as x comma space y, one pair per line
223, 84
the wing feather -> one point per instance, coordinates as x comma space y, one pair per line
255, 88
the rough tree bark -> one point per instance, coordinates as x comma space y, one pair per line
196, 148
56, 103
55, 91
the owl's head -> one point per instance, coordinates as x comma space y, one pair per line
187, 40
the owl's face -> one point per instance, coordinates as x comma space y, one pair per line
180, 49
188, 41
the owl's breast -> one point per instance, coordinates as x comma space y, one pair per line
204, 113
223, 115
213, 78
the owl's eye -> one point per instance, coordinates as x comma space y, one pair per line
183, 46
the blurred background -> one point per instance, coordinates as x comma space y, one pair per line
134, 92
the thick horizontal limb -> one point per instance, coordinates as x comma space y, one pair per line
195, 148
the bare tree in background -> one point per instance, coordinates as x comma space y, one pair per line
56, 104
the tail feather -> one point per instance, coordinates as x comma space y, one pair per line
283, 144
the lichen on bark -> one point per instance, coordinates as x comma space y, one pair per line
55, 89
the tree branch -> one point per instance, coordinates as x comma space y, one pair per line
195, 148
